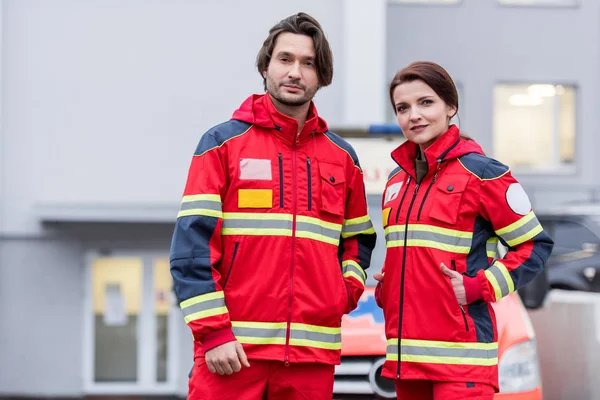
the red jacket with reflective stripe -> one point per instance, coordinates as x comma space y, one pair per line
456, 215
273, 236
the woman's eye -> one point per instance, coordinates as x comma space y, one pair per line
427, 102
401, 109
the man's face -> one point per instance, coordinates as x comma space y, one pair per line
292, 75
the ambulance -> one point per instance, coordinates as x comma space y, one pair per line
363, 334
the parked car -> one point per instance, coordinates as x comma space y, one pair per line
575, 260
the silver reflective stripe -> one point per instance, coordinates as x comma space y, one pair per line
510, 236
354, 268
356, 228
200, 204
501, 280
316, 336
203, 306
434, 237
392, 349
313, 228
259, 332
256, 224
491, 246
448, 352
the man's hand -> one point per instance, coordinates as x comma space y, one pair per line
378, 277
226, 358
457, 284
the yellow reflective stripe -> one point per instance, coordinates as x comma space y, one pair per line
440, 246
200, 211
491, 246
259, 340
271, 224
205, 314
355, 264
197, 197
256, 232
449, 360
355, 276
492, 280
432, 229
202, 298
506, 274
516, 224
447, 345
316, 236
263, 216
316, 221
392, 341
357, 226
315, 328
201, 205
314, 343
356, 221
259, 325
521, 231
526, 236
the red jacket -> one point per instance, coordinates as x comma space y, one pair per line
456, 215
273, 236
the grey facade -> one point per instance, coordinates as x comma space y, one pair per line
103, 102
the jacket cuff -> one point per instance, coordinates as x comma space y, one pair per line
472, 289
217, 338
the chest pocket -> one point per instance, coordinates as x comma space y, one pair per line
449, 191
333, 188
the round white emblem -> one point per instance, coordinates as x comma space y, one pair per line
517, 199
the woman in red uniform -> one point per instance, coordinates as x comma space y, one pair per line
445, 208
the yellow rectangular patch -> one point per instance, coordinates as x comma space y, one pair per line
255, 198
385, 216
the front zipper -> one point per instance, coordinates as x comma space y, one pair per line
309, 183
464, 314
280, 181
402, 278
439, 162
289, 319
235, 249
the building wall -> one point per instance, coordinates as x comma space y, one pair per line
482, 43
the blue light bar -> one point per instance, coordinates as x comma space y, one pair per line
385, 129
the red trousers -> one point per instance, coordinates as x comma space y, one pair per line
435, 390
264, 380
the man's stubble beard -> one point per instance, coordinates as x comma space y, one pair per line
275, 91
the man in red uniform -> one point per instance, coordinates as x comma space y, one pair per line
273, 236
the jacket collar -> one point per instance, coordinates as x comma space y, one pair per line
406, 153
259, 110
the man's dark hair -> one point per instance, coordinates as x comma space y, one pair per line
301, 24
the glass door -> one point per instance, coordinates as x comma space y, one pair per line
131, 324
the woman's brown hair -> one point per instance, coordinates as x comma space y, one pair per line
300, 24
433, 75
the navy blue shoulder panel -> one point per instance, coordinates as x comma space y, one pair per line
219, 134
482, 166
343, 145
394, 172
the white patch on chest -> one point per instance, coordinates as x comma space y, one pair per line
392, 192
255, 169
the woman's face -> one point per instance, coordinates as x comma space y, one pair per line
422, 115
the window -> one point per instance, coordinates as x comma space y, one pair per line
534, 127
540, 3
